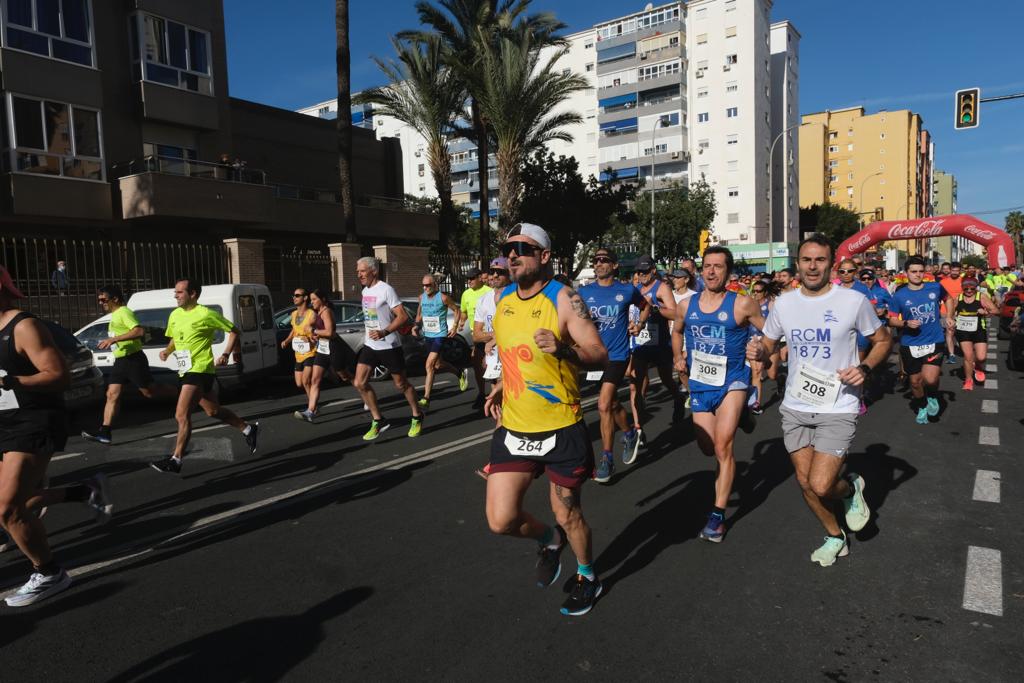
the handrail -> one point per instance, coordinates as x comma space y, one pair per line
237, 173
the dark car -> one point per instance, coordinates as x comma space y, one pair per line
86, 379
1013, 299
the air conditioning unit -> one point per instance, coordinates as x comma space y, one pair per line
643, 56
726, 68
699, 74
743, 235
419, 153
675, 155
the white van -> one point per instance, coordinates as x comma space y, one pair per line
248, 307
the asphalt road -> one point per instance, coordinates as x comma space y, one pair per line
325, 558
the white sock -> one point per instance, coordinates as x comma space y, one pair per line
556, 539
247, 430
176, 458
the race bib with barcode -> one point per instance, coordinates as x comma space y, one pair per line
8, 400
182, 361
816, 387
431, 324
300, 345
966, 323
324, 346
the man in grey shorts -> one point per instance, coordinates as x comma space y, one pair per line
819, 412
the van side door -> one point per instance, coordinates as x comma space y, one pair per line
248, 324
268, 333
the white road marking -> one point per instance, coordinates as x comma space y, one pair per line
358, 399
991, 367
983, 583
991, 384
65, 456
989, 406
986, 486
196, 431
988, 436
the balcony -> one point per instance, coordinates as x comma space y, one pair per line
182, 107
58, 197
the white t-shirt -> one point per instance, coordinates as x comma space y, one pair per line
822, 333
485, 310
679, 297
378, 302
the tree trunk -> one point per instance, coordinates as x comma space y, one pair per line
510, 187
344, 122
482, 172
441, 170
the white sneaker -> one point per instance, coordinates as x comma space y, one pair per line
832, 548
38, 588
857, 512
99, 500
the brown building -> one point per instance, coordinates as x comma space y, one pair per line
118, 126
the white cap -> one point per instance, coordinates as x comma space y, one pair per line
534, 232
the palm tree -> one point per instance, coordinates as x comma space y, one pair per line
465, 26
1015, 227
517, 95
343, 62
427, 96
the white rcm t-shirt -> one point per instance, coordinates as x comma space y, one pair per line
821, 332
486, 307
378, 302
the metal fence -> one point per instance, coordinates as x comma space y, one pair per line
293, 267
450, 269
70, 299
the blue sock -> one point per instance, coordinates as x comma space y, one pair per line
607, 454
630, 433
585, 570
548, 536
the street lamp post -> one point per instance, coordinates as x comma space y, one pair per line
771, 187
654, 129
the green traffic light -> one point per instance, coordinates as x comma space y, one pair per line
966, 118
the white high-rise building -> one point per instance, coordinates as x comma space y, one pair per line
785, 117
579, 59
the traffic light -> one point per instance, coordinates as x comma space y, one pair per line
968, 108
879, 213
705, 237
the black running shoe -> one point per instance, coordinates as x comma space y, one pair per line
99, 436
478, 404
549, 563
252, 436
585, 593
168, 465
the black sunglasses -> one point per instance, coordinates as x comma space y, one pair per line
867, 277
519, 249
602, 259
755, 290
102, 300
297, 295
498, 271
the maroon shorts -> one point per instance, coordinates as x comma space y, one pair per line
569, 463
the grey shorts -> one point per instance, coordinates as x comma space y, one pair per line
830, 433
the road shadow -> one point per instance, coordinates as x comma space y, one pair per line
883, 474
18, 624
263, 649
768, 467
673, 520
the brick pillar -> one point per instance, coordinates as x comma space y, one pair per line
245, 261
343, 269
404, 267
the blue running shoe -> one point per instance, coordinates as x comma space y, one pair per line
605, 468
630, 446
951, 359
933, 407
714, 530
922, 416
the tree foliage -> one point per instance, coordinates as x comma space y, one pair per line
974, 261
680, 214
830, 220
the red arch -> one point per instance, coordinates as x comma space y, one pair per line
996, 242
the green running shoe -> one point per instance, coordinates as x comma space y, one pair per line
464, 380
424, 403
833, 547
416, 426
376, 428
922, 416
857, 512
933, 407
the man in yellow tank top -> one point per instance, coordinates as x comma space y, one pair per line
544, 335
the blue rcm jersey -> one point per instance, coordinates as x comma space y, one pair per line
609, 309
716, 335
923, 305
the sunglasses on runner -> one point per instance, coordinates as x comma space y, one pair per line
755, 290
498, 271
844, 271
601, 259
867, 277
102, 299
298, 295
519, 249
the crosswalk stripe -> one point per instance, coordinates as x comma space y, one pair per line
986, 486
983, 582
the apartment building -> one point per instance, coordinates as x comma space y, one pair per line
943, 196
785, 118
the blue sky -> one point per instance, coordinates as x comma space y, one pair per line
910, 54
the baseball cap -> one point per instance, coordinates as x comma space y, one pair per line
969, 282
645, 264
867, 271
473, 272
500, 262
682, 272
534, 232
7, 284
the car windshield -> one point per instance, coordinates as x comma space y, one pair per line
153, 322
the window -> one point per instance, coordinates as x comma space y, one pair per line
831, 193
732, 112
734, 192
732, 218
881, 181
832, 178
266, 313
732, 139
589, 67
54, 138
731, 59
730, 5
849, 176
660, 148
172, 54
702, 117
833, 149
731, 86
881, 136
849, 147
881, 151
587, 46
701, 13
832, 135
702, 92
849, 191
611, 54
702, 38
247, 320
833, 163
703, 144
646, 73
849, 132
58, 29
733, 165
703, 169
730, 31
423, 188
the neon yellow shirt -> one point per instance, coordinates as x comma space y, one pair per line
193, 331
470, 298
123, 320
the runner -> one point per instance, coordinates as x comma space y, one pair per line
819, 412
332, 353
709, 344
544, 334
968, 317
953, 284
483, 327
653, 345
608, 301
301, 339
683, 287
760, 292
383, 314
922, 336
848, 272
124, 339
432, 319
33, 425
882, 301
191, 328
475, 288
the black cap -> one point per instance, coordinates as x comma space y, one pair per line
645, 264
473, 272
682, 272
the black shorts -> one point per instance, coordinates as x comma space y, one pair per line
203, 380
912, 366
393, 359
658, 356
300, 365
132, 368
42, 431
479, 349
569, 463
614, 372
979, 336
341, 357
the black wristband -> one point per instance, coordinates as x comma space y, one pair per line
865, 368
563, 352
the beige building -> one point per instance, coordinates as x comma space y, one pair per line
866, 162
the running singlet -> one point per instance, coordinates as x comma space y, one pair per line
923, 305
716, 347
470, 298
609, 309
435, 315
122, 321
192, 332
968, 315
822, 332
541, 392
303, 343
655, 332
20, 402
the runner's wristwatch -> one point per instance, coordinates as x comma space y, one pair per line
865, 368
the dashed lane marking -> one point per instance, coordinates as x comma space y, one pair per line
988, 436
65, 456
991, 383
990, 406
991, 367
983, 582
986, 486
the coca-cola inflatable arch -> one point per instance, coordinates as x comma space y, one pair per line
997, 242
